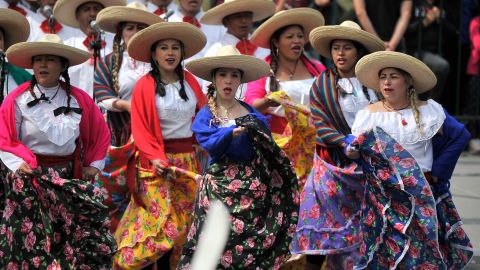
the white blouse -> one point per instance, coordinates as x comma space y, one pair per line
176, 114
130, 72
415, 140
297, 90
43, 132
355, 100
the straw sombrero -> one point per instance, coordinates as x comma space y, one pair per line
369, 66
192, 39
21, 54
261, 9
15, 26
321, 37
109, 18
229, 57
65, 10
308, 18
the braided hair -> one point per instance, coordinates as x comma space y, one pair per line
66, 80
412, 97
3, 67
155, 73
117, 55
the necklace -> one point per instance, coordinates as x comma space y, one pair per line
292, 72
391, 109
226, 111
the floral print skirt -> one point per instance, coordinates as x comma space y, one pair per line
146, 234
53, 222
262, 197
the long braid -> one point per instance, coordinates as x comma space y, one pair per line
155, 73
274, 67
212, 103
181, 77
33, 82
68, 86
413, 99
116, 59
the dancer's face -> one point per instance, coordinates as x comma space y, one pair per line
168, 54
227, 81
47, 69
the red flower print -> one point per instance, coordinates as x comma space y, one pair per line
399, 227
331, 188
427, 191
363, 248
414, 252
154, 209
409, 181
255, 184
238, 226
245, 202
460, 233
314, 212
171, 230
360, 139
379, 146
9, 208
370, 218
235, 185
279, 218
394, 159
407, 162
26, 225
54, 266
68, 252
249, 260
36, 261
427, 211
269, 240
231, 172
250, 242
12, 266
392, 245
400, 208
127, 255
277, 180
46, 246
428, 266
248, 171
24, 265
104, 249
383, 174
17, 185
226, 259
239, 249
303, 243
397, 147
228, 201
27, 203
29, 241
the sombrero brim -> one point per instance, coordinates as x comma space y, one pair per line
15, 27
369, 66
253, 68
322, 37
21, 54
261, 9
306, 17
109, 18
191, 37
65, 10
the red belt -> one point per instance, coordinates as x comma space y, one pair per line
177, 146
47, 161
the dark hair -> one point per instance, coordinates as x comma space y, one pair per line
274, 57
155, 73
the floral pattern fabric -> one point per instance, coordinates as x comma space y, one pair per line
53, 222
298, 138
262, 197
146, 234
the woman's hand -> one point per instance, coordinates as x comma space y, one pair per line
88, 173
238, 131
270, 103
352, 153
158, 165
24, 171
122, 105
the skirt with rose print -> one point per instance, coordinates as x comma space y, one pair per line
146, 234
402, 224
53, 222
262, 197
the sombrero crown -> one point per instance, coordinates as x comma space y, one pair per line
109, 18
261, 9
308, 18
65, 10
368, 68
15, 26
229, 57
192, 39
322, 37
21, 54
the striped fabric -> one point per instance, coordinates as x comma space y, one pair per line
103, 84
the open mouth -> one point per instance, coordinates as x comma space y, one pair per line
170, 61
296, 49
227, 90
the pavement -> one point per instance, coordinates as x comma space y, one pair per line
465, 189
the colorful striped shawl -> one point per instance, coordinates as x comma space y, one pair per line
103, 85
326, 112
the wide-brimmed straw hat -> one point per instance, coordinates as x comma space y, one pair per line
65, 10
322, 37
109, 18
15, 26
21, 54
261, 9
368, 68
308, 18
229, 57
192, 39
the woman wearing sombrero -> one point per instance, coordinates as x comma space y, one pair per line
115, 77
248, 172
14, 28
163, 105
53, 143
335, 97
408, 217
286, 34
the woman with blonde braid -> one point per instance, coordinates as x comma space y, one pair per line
286, 34
164, 102
248, 172
115, 77
408, 217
